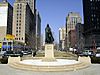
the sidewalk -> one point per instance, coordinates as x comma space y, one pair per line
94, 69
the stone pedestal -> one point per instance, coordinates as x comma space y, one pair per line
14, 59
49, 53
85, 59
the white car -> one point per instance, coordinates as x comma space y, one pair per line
97, 54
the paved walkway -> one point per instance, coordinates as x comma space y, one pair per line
94, 69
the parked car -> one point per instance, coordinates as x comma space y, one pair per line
26, 52
97, 54
87, 53
12, 54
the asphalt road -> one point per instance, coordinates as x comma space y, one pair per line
94, 69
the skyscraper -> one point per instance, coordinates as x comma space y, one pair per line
72, 38
38, 31
24, 27
79, 37
31, 3
91, 9
6, 17
72, 19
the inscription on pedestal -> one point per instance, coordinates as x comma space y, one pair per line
49, 47
49, 53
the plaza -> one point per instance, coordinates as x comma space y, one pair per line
92, 70
29, 51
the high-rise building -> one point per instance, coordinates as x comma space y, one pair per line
6, 17
38, 31
72, 38
91, 9
31, 3
79, 37
62, 34
24, 27
72, 19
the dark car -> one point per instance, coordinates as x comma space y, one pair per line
12, 54
26, 52
87, 53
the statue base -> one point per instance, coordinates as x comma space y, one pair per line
49, 53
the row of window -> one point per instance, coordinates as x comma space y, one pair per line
19, 38
18, 27
17, 31
19, 6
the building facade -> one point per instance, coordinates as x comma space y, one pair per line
24, 27
79, 37
6, 18
72, 19
31, 3
72, 39
38, 31
62, 34
91, 9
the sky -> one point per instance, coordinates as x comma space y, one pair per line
54, 13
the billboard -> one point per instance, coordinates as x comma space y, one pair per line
3, 15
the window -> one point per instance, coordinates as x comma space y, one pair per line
20, 7
16, 38
19, 27
16, 31
19, 20
16, 34
17, 24
17, 4
16, 27
17, 14
22, 38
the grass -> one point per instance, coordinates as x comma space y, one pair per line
56, 54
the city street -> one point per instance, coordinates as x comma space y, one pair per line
94, 69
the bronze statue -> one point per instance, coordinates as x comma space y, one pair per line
48, 35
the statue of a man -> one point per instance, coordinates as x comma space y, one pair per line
48, 35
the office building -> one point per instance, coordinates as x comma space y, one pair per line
91, 10
24, 27
62, 34
79, 37
31, 3
72, 19
72, 39
38, 31
6, 17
